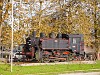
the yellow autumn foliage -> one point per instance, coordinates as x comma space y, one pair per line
72, 23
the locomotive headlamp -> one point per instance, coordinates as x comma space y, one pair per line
56, 40
74, 50
73, 46
29, 44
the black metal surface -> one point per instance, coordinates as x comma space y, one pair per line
51, 35
34, 34
55, 44
42, 35
59, 35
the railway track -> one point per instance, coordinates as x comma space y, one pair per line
33, 63
52, 63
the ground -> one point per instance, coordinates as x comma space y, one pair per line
60, 68
88, 73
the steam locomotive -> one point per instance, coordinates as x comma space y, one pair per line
63, 47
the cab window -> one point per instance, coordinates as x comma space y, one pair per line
74, 40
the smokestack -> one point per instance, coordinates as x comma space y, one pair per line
34, 34
42, 35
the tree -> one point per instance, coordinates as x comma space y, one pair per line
73, 16
4, 6
6, 35
1, 5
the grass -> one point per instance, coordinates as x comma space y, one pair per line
46, 69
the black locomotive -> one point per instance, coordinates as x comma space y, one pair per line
63, 47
